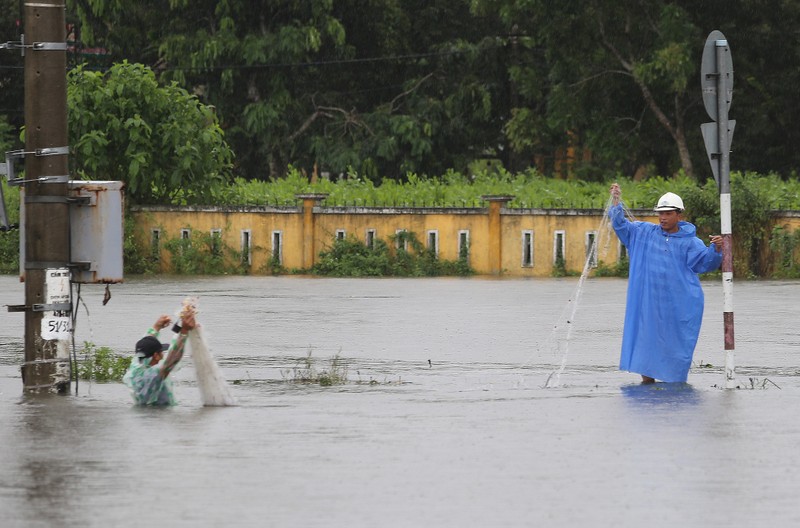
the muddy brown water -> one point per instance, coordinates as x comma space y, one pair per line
444, 421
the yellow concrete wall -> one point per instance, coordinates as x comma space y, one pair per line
232, 223
387, 224
788, 222
262, 222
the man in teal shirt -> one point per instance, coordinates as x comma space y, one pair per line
148, 374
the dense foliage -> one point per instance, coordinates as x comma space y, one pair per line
364, 101
387, 87
160, 140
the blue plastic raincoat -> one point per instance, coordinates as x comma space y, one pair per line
665, 300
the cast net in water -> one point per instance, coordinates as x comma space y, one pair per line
214, 390
561, 335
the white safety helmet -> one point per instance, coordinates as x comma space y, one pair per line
669, 202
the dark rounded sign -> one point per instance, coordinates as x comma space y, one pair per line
709, 71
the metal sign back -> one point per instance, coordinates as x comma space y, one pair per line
709, 71
711, 139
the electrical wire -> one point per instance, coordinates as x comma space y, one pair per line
75, 306
74, 359
310, 64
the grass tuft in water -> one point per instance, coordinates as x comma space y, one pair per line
306, 371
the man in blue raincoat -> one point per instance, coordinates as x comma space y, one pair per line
665, 300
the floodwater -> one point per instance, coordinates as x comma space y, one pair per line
445, 420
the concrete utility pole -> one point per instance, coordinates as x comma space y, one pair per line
716, 78
46, 220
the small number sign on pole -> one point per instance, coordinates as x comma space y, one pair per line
716, 78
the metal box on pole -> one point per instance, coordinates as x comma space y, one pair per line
96, 231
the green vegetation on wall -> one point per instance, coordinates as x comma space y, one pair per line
204, 254
135, 260
530, 190
9, 251
349, 257
9, 239
785, 246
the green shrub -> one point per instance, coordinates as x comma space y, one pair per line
9, 240
9, 251
752, 198
349, 257
618, 269
136, 260
101, 364
204, 254
273, 266
785, 246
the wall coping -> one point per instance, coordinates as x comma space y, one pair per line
401, 210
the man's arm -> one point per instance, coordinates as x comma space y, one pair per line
703, 259
161, 323
174, 355
176, 352
616, 192
622, 226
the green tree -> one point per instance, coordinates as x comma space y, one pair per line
765, 46
384, 87
615, 74
12, 95
160, 140
380, 87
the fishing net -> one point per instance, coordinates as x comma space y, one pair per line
560, 340
214, 390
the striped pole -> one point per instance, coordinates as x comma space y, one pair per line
721, 46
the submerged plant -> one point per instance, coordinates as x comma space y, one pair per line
307, 372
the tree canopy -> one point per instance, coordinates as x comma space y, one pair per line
383, 87
160, 140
